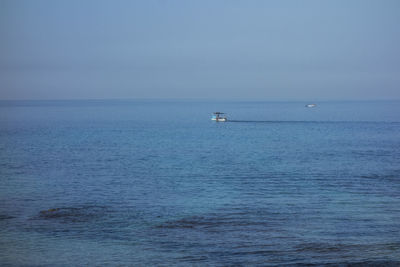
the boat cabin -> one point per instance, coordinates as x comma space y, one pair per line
218, 116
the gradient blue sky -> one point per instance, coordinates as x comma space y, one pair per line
270, 50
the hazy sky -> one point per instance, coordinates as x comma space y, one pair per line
272, 50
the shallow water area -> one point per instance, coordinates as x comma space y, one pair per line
158, 183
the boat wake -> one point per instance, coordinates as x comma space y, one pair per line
251, 121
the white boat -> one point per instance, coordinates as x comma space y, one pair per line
311, 105
219, 117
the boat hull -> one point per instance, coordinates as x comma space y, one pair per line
219, 119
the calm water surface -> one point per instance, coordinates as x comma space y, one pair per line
158, 183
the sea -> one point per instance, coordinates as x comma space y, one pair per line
157, 183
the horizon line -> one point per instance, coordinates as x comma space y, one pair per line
200, 99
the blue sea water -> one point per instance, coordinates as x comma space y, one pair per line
158, 183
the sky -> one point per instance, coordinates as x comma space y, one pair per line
206, 49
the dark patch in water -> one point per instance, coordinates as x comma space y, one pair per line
227, 221
352, 264
321, 247
374, 264
6, 217
190, 222
193, 259
393, 177
72, 214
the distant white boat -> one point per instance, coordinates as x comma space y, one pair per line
311, 105
219, 117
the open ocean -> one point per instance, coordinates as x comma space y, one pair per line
158, 183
